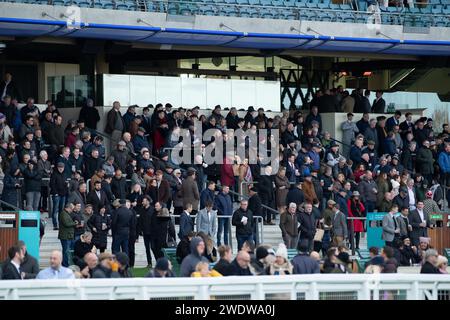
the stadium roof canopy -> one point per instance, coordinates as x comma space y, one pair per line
19, 27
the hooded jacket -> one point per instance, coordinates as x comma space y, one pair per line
189, 263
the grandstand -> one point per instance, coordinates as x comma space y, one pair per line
278, 55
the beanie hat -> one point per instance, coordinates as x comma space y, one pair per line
282, 251
162, 264
261, 253
122, 258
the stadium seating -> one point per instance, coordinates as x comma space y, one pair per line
434, 14
171, 255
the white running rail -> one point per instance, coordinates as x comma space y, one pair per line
294, 287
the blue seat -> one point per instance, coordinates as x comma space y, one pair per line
334, 6
107, 4
278, 3
300, 3
244, 12
413, 10
313, 5
426, 10
267, 13
242, 2
254, 2
266, 2
208, 10
324, 16
360, 18
228, 11
288, 15
58, 3
440, 21
289, 3
345, 7
172, 8
346, 17
437, 9
230, 1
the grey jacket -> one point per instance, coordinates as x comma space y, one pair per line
348, 131
205, 224
365, 188
371, 134
190, 261
402, 225
388, 228
339, 225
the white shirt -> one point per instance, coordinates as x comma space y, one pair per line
17, 267
421, 215
98, 194
412, 199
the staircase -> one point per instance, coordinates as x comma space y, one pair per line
403, 79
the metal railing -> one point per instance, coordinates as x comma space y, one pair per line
291, 287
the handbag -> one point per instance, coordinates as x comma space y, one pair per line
319, 235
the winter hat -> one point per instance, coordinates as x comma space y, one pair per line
282, 251
261, 253
122, 258
429, 194
162, 264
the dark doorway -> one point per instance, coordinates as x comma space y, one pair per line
26, 78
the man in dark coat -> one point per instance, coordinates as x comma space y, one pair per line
379, 104
266, 193
307, 226
115, 125
243, 220
97, 197
8, 87
303, 263
119, 185
11, 269
186, 222
99, 224
296, 195
425, 161
89, 115
224, 266
145, 212
429, 266
419, 221
120, 226
241, 264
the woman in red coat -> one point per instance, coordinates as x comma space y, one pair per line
227, 173
356, 209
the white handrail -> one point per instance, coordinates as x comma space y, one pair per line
318, 286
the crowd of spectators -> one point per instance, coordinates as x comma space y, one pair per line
319, 195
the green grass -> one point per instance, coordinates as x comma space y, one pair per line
139, 272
